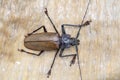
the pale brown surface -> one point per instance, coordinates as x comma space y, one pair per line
98, 50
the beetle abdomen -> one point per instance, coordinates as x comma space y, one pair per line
42, 41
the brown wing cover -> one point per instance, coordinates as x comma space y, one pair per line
42, 41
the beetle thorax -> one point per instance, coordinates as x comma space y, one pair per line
67, 41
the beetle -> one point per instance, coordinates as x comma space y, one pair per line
47, 41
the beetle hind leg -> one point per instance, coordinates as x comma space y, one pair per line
45, 30
22, 50
49, 72
70, 55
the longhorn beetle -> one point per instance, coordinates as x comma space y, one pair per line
48, 41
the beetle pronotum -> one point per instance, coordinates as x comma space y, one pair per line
48, 41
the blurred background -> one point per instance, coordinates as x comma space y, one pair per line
99, 42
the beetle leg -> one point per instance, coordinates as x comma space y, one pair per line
37, 30
22, 50
46, 12
85, 24
73, 59
63, 30
49, 72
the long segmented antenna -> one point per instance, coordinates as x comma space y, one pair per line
78, 62
77, 37
83, 19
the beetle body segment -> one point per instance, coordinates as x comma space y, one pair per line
42, 41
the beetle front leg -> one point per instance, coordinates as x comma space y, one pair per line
87, 23
82, 25
22, 50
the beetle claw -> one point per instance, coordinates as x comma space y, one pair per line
27, 35
88, 22
72, 61
46, 12
21, 50
49, 73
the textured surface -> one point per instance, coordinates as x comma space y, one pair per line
99, 49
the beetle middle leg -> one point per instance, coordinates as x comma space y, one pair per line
45, 30
22, 50
73, 55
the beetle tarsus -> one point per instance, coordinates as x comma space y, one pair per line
49, 73
46, 12
27, 35
73, 61
87, 23
21, 50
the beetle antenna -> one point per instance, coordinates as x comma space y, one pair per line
83, 19
78, 62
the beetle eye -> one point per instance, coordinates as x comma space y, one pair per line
66, 40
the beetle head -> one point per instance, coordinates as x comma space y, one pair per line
74, 41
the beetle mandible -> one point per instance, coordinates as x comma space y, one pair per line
47, 41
